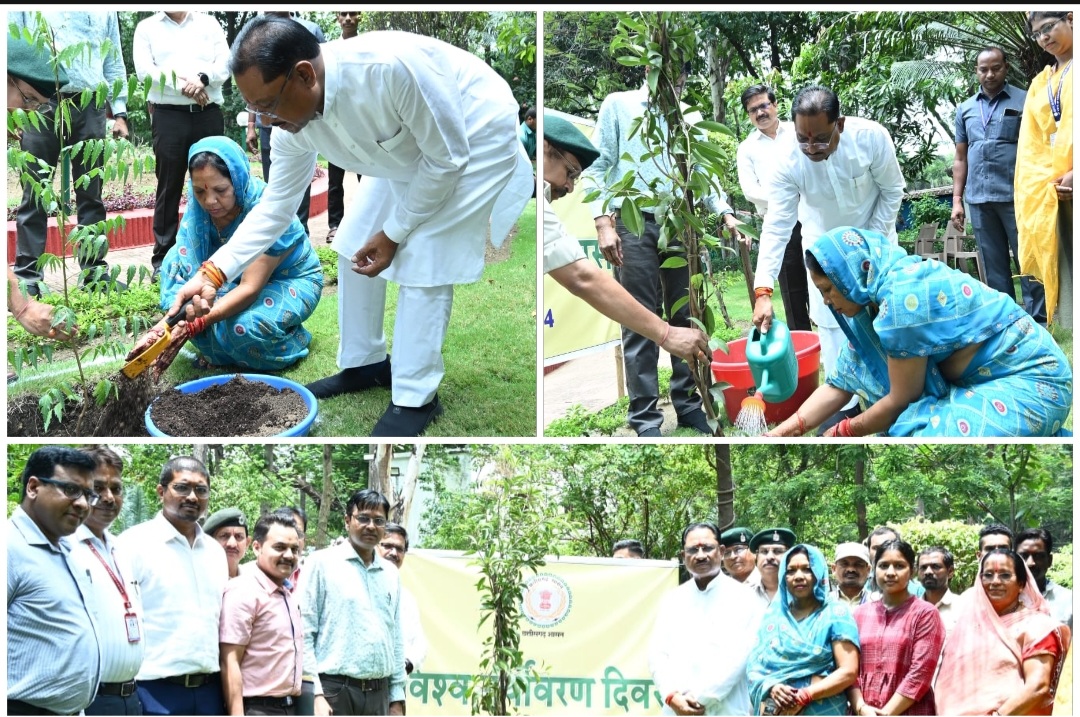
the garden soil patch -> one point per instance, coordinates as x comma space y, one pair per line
238, 407
121, 416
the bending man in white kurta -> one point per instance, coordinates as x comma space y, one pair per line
432, 130
704, 631
840, 171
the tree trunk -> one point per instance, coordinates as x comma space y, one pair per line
271, 470
327, 496
408, 485
860, 499
725, 487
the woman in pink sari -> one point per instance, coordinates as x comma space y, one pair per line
1004, 656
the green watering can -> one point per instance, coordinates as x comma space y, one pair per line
773, 363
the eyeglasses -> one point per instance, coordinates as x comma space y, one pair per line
183, 489
760, 108
1045, 30
819, 146
72, 491
366, 519
703, 549
29, 103
572, 172
735, 550
988, 577
268, 113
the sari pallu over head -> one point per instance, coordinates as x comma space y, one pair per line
982, 663
923, 308
790, 651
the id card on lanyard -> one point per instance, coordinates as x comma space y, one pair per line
131, 620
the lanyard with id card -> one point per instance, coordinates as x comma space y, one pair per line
131, 620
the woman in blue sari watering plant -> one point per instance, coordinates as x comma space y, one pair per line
257, 321
931, 350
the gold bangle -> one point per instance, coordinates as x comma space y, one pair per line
212, 274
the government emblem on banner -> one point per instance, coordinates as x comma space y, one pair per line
546, 600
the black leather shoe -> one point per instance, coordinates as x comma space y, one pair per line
406, 422
354, 379
650, 433
695, 419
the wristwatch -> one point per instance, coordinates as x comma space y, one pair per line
120, 115
204, 78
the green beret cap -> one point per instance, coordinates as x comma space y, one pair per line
781, 536
31, 65
736, 536
225, 518
568, 138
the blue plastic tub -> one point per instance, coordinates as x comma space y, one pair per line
301, 429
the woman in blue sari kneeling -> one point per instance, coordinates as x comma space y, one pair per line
807, 652
931, 351
257, 319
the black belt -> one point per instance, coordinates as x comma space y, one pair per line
186, 108
372, 685
196, 680
271, 701
123, 689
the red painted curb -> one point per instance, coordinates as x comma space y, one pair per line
138, 229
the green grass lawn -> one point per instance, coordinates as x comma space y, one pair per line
490, 355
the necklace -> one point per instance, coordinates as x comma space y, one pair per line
1013, 608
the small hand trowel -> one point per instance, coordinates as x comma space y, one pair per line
140, 363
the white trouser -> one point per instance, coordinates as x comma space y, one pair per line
423, 315
832, 340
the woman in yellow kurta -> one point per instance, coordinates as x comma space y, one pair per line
1043, 184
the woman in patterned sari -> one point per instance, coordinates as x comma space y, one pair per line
931, 351
257, 320
1005, 654
807, 651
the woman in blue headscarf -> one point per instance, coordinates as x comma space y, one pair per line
807, 652
257, 319
931, 350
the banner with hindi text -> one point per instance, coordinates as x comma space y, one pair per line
586, 627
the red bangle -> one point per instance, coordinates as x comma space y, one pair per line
801, 423
669, 698
762, 291
803, 697
843, 429
196, 325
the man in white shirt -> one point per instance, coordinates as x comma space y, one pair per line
703, 634
181, 572
567, 153
935, 572
840, 171
117, 603
186, 56
1036, 546
433, 132
756, 161
393, 547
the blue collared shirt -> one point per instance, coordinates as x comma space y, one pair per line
53, 653
990, 129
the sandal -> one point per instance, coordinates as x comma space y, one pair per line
331, 234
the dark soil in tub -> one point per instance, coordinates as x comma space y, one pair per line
238, 407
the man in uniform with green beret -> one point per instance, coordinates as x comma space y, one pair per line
567, 153
739, 560
769, 546
228, 526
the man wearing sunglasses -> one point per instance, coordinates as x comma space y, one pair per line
181, 573
837, 171
352, 618
433, 131
52, 641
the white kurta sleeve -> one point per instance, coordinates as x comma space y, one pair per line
783, 213
890, 181
663, 648
752, 187
412, 631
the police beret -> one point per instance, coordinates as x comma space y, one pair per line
31, 65
735, 536
781, 536
225, 518
568, 138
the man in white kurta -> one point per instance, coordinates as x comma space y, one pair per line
704, 631
432, 130
841, 171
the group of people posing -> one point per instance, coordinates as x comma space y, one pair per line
773, 636
164, 618
910, 347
